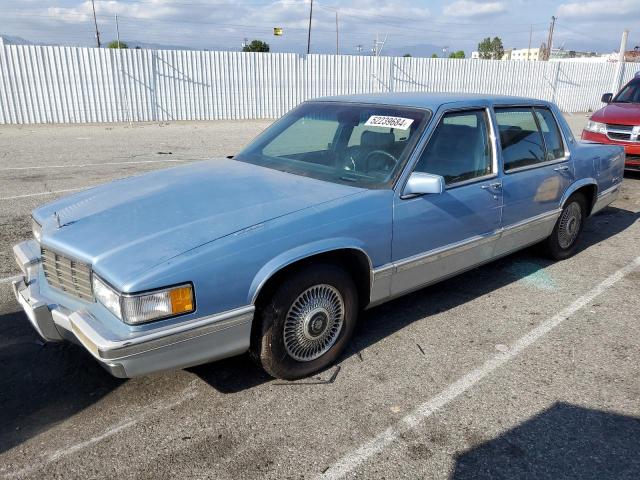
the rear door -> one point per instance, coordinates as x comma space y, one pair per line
536, 173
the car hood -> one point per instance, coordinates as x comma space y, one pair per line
618, 113
128, 226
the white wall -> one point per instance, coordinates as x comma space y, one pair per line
41, 84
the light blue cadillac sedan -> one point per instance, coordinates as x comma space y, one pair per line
342, 204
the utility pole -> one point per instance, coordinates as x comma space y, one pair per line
309, 33
337, 36
117, 30
529, 49
623, 46
550, 39
95, 22
378, 45
617, 81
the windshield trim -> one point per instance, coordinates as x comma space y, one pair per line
390, 183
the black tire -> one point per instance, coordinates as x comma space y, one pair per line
557, 245
268, 337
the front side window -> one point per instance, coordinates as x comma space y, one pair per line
459, 148
520, 138
361, 145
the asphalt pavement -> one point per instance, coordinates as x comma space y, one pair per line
523, 368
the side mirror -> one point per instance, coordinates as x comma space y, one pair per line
606, 98
423, 183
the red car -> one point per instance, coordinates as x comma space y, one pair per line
619, 122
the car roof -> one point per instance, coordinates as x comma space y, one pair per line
432, 101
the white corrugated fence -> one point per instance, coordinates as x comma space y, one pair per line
43, 84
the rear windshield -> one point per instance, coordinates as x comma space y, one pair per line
361, 145
630, 93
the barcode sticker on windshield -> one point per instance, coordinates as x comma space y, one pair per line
392, 122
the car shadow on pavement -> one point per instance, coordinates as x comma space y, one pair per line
42, 384
565, 441
527, 265
231, 375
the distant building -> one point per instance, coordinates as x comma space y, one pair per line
530, 54
563, 54
475, 54
632, 55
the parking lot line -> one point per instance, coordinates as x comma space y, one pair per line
187, 393
9, 279
352, 460
80, 165
40, 194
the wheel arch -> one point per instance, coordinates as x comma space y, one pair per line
352, 256
588, 187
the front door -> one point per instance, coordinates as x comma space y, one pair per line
438, 235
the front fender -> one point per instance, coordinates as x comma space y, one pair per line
299, 253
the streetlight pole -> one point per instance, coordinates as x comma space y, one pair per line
118, 30
337, 37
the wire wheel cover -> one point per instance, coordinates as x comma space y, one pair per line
570, 223
313, 322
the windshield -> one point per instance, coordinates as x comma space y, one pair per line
629, 94
361, 145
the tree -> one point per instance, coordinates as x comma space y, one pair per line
434, 55
256, 46
406, 55
458, 54
116, 44
491, 48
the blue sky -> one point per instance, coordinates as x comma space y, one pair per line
223, 24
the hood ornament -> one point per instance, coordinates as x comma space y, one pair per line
59, 224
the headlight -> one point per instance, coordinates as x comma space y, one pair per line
36, 229
107, 296
145, 307
596, 127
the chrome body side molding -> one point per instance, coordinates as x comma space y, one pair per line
408, 274
605, 198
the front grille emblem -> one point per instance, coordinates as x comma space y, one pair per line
635, 133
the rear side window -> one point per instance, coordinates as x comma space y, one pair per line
521, 141
550, 134
459, 148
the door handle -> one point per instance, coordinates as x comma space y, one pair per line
495, 186
563, 168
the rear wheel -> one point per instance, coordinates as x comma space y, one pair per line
307, 322
563, 241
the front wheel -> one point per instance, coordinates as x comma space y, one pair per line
563, 241
306, 323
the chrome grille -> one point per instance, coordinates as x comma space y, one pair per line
68, 275
622, 132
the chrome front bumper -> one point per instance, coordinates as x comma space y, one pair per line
140, 352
